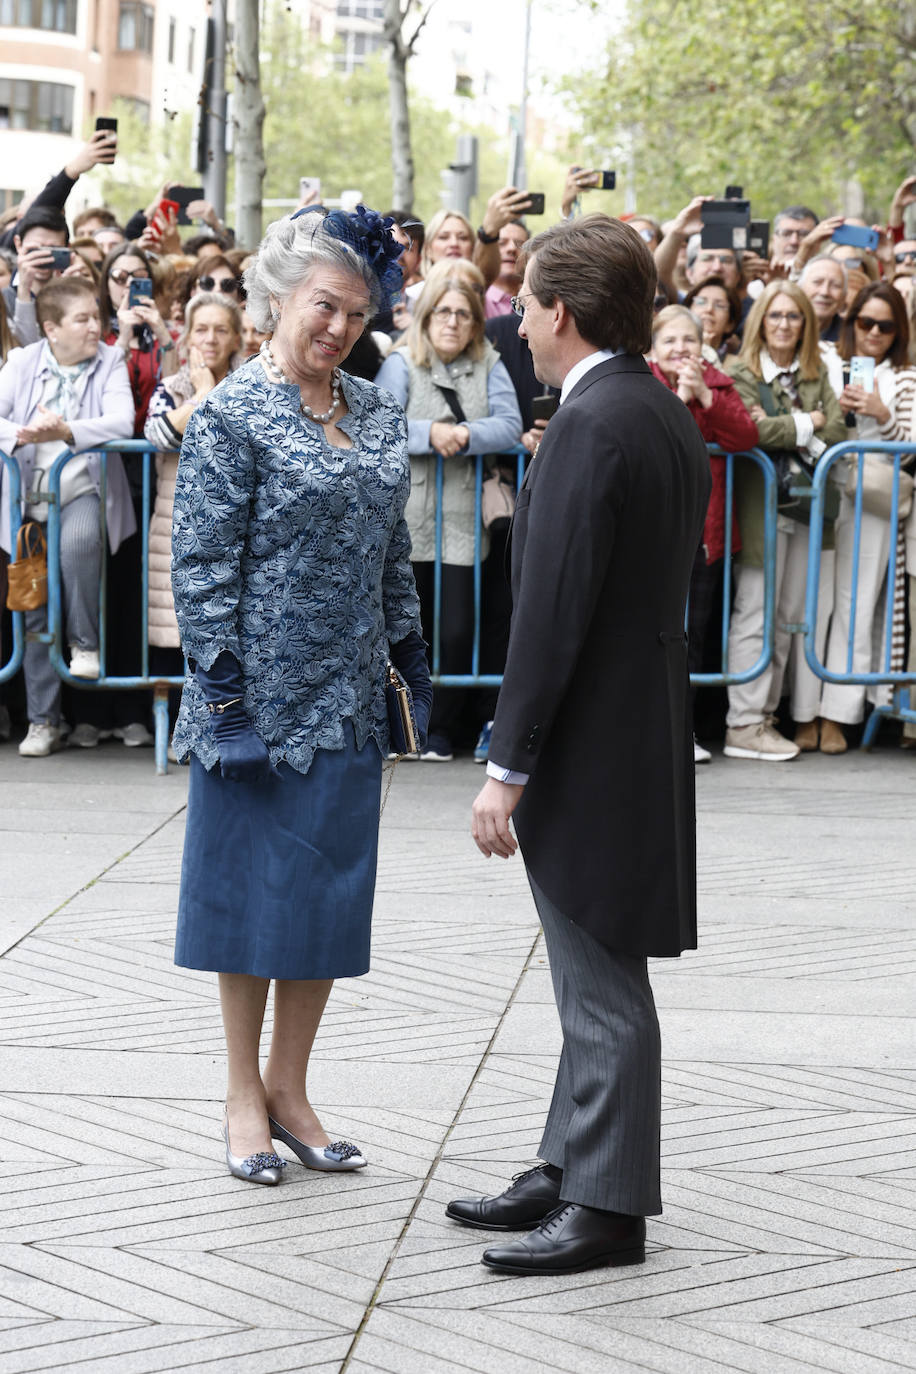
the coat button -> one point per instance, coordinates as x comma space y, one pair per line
533, 738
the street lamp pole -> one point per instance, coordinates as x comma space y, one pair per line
518, 173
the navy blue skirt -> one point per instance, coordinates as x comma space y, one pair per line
278, 877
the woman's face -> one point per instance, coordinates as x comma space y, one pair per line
120, 273
783, 324
870, 342
75, 337
450, 325
711, 308
220, 280
320, 322
252, 338
673, 344
212, 333
452, 241
6, 273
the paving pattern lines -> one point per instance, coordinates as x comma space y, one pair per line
116, 1348
790, 1085
805, 875
793, 952
488, 1342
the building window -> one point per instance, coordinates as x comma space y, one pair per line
191, 36
135, 27
42, 106
360, 9
172, 35
57, 16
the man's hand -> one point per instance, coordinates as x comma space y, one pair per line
533, 436
578, 179
816, 240
448, 439
490, 818
690, 219
754, 267
34, 266
202, 209
102, 147
904, 195
503, 206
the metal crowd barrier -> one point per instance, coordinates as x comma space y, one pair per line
53, 635
900, 706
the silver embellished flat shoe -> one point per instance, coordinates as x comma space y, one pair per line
264, 1167
339, 1157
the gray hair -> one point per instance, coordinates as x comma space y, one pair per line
290, 251
232, 309
824, 257
694, 244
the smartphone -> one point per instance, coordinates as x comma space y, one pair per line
607, 181
139, 286
104, 122
858, 236
542, 407
308, 186
725, 223
60, 258
862, 370
758, 237
734, 193
536, 203
182, 196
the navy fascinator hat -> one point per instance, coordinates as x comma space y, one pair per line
367, 233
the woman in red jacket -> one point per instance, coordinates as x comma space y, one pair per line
711, 398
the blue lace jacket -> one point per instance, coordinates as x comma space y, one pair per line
294, 555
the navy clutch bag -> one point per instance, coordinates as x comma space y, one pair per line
402, 723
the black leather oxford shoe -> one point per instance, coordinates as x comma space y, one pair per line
524, 1204
571, 1239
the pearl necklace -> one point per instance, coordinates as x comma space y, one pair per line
276, 374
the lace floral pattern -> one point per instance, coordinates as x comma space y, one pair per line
294, 555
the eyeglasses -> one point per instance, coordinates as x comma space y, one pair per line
121, 277
704, 302
780, 316
867, 324
790, 233
230, 285
908, 255
443, 313
518, 304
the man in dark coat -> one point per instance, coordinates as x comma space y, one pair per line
592, 750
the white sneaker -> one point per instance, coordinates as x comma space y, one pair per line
87, 736
759, 741
84, 662
42, 739
700, 755
133, 735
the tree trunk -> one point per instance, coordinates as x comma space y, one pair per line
399, 112
249, 115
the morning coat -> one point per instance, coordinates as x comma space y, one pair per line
594, 702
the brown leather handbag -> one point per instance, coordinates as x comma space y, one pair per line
28, 575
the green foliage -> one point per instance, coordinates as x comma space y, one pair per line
790, 99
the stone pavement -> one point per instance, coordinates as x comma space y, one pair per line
788, 1241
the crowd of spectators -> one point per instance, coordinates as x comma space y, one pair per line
111, 332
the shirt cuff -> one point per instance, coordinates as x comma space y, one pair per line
804, 428
506, 774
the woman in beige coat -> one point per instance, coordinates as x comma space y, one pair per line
212, 337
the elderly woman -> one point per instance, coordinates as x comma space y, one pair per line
292, 584
460, 401
722, 419
784, 384
876, 327
212, 338
67, 391
718, 308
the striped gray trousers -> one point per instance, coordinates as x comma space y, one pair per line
604, 1125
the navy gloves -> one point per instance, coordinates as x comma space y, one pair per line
243, 755
409, 657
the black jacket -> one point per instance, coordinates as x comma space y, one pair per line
594, 701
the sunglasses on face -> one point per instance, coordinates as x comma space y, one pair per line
908, 255
867, 324
121, 277
228, 284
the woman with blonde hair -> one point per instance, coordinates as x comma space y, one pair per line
783, 382
460, 401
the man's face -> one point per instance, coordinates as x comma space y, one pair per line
108, 239
537, 327
825, 286
511, 238
39, 237
787, 236
714, 262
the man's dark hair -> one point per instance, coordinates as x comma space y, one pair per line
43, 217
412, 226
603, 272
193, 245
107, 218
